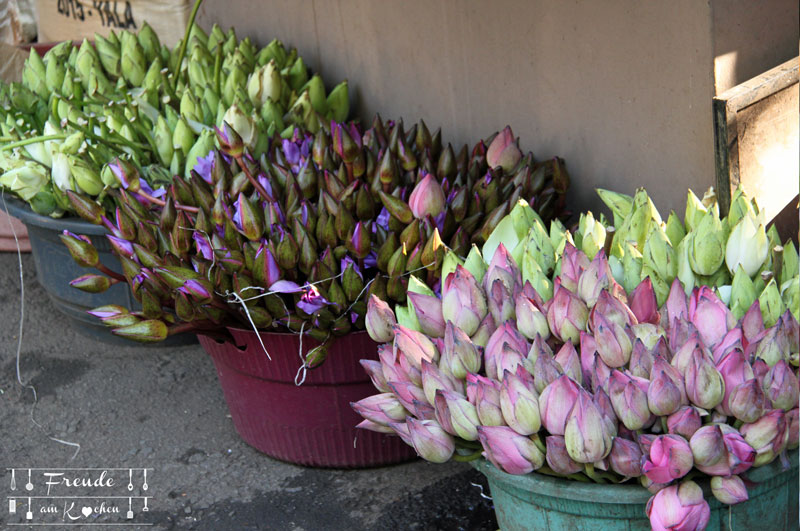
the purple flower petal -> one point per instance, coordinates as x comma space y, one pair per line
123, 247
346, 261
285, 286
203, 246
371, 260
383, 219
291, 151
123, 179
204, 166
104, 313
312, 301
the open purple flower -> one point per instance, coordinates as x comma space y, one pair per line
312, 301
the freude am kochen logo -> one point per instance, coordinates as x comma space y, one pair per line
77, 496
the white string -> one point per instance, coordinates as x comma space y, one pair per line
303, 367
485, 496
19, 341
247, 312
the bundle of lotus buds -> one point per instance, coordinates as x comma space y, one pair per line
79, 107
595, 384
299, 238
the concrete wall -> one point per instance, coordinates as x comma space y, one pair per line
620, 88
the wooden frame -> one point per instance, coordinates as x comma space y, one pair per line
726, 108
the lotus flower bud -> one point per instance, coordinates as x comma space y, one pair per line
613, 342
781, 386
659, 256
558, 458
456, 415
718, 449
545, 370
768, 436
380, 321
684, 422
707, 245
430, 441
729, 490
793, 427
676, 305
427, 198
382, 409
594, 279
594, 235
734, 370
771, 303
612, 309
375, 371
666, 393
743, 293
670, 458
429, 313
463, 302
773, 346
503, 151
573, 262
746, 401
519, 402
643, 303
434, 380
241, 122
683, 354
265, 84
500, 302
556, 402
460, 355
132, 60
509, 451
710, 316
567, 357
585, 433
484, 332
487, 402
625, 458
705, 386
641, 362
80, 248
91, 283
408, 393
567, 316
508, 359
414, 345
628, 396
747, 246
679, 507
531, 321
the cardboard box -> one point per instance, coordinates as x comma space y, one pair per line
61, 20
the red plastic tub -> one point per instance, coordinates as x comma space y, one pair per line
312, 424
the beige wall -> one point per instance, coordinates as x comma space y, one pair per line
620, 88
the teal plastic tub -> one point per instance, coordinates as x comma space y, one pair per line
543, 503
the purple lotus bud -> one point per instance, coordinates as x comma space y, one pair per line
573, 262
585, 433
463, 301
793, 427
430, 441
509, 451
613, 309
200, 290
594, 279
625, 458
375, 371
414, 345
381, 409
500, 302
666, 393
676, 305
121, 247
705, 386
149, 331
519, 402
781, 386
360, 243
530, 319
91, 283
710, 315
683, 355
456, 415
509, 359
429, 313
433, 380
558, 458
506, 333
556, 402
628, 396
427, 198
679, 332
729, 490
503, 151
613, 342
539, 347
378, 428
487, 402
684, 422
768, 436
679, 507
734, 370
545, 371
81, 249
641, 362
720, 450
670, 458
747, 402
569, 361
423, 411
732, 340
108, 311
567, 316
460, 356
643, 303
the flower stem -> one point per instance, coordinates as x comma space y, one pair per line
32, 140
253, 180
185, 42
113, 274
467, 458
159, 202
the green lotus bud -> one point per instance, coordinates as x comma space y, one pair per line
771, 304
638, 225
632, 266
265, 84
298, 74
34, 74
790, 268
593, 235
620, 204
25, 179
791, 297
242, 123
659, 256
148, 331
740, 207
338, 102
149, 42
201, 148
397, 207
235, 79
190, 109
685, 271
44, 203
316, 94
183, 138
133, 63
54, 77
707, 250
538, 246
747, 246
695, 211
86, 177
71, 86
163, 141
80, 248
743, 293
109, 53
674, 229
274, 50
91, 283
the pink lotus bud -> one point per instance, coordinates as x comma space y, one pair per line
487, 402
510, 359
645, 441
679, 333
401, 430
381, 409
643, 303
485, 331
539, 347
599, 373
392, 370
433, 380
456, 415
372, 426
628, 396
530, 319
613, 342
375, 371
472, 386
793, 427
558, 458
545, 371
747, 401
500, 302
519, 402
585, 433
683, 354
705, 386
430, 441
503, 151
573, 262
670, 458
718, 449
710, 316
684, 422
650, 335
427, 198
415, 346
588, 353
463, 301
380, 320
666, 393
503, 268
429, 313
594, 279
625, 458
753, 322
506, 333
768, 436
556, 402
569, 361
729, 490
641, 362
734, 370
613, 309
676, 306
567, 316
509, 451
603, 403
407, 393
679, 508
460, 356
772, 346
732, 340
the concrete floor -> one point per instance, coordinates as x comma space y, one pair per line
162, 408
